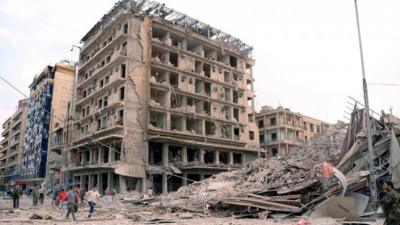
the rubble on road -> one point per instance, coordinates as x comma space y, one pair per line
287, 185
283, 184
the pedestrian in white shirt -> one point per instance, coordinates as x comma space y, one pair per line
92, 197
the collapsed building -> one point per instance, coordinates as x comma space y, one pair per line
159, 92
301, 182
50, 94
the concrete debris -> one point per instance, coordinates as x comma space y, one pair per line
292, 184
280, 184
39, 217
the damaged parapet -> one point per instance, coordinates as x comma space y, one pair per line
160, 11
160, 93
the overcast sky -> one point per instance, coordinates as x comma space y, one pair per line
307, 56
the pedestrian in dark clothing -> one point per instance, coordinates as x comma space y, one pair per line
41, 195
72, 202
56, 192
35, 196
77, 190
82, 196
16, 193
389, 202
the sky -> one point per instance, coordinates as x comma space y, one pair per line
306, 52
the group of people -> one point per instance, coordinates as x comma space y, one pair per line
68, 201
75, 197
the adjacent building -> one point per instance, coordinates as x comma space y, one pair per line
60, 140
50, 94
16, 145
12, 144
282, 130
4, 146
160, 93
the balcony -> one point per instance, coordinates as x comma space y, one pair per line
13, 163
4, 142
114, 82
196, 55
16, 123
55, 164
116, 59
3, 156
12, 153
285, 141
212, 166
10, 172
14, 143
102, 52
89, 43
5, 132
108, 128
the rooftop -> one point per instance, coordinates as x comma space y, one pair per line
155, 9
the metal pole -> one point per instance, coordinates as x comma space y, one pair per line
372, 177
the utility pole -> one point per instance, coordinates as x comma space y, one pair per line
367, 121
71, 113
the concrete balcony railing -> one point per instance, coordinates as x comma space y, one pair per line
284, 141
55, 164
115, 59
14, 142
116, 38
12, 153
11, 172
3, 156
106, 29
115, 81
12, 163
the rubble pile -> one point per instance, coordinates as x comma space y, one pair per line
279, 184
296, 184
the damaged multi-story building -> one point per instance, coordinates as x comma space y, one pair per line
162, 100
282, 130
50, 95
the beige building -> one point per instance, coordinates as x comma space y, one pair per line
282, 130
61, 138
159, 94
13, 143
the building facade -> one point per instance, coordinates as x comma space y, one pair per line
5, 142
13, 144
50, 93
61, 138
162, 100
16, 146
282, 130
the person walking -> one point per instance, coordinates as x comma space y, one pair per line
61, 201
55, 193
35, 196
72, 203
92, 197
16, 193
82, 196
41, 195
77, 190
390, 204
114, 192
